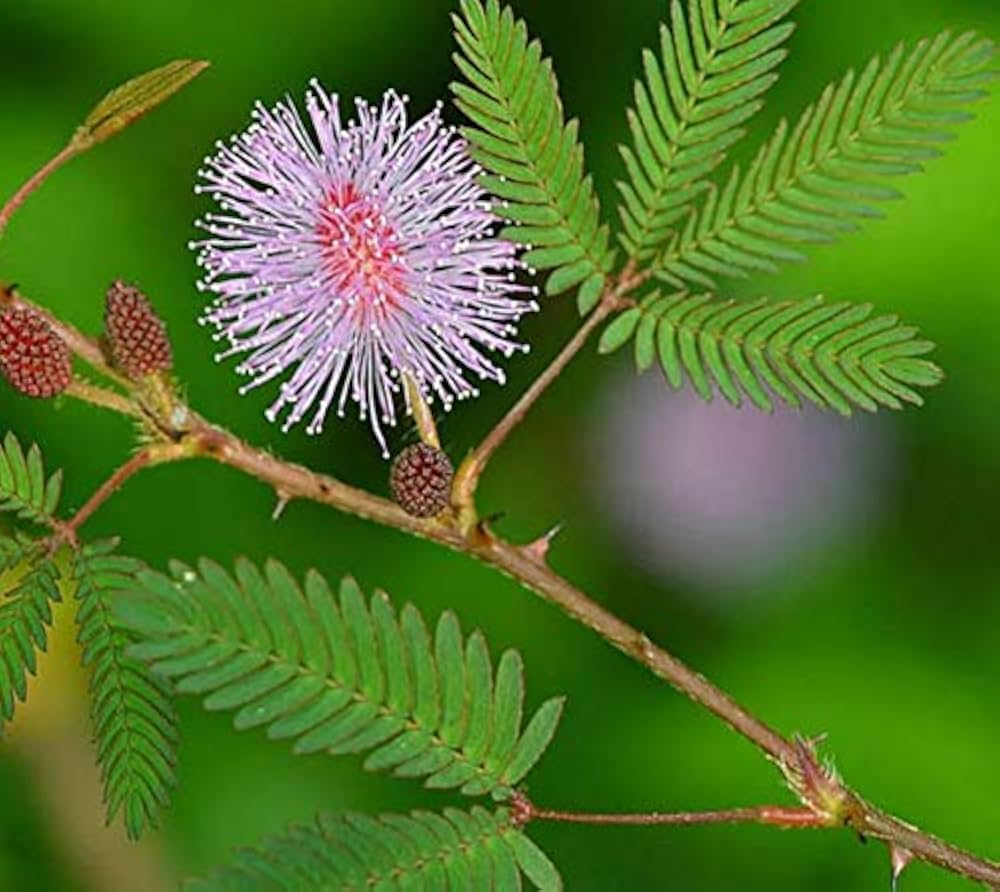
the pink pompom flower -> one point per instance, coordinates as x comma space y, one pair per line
345, 255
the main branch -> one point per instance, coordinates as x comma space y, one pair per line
823, 793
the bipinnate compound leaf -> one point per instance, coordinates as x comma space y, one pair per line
340, 675
837, 356
133, 718
24, 488
715, 62
531, 154
811, 183
29, 586
454, 851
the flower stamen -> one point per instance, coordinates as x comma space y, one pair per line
343, 255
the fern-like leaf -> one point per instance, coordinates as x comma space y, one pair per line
835, 355
813, 182
26, 599
532, 156
24, 488
133, 717
341, 676
454, 850
713, 67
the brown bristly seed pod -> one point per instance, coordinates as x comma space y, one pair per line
420, 479
135, 335
33, 358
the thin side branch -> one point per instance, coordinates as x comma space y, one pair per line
33, 182
525, 811
107, 489
103, 398
469, 473
157, 453
467, 478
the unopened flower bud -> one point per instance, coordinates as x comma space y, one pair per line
135, 335
33, 358
420, 479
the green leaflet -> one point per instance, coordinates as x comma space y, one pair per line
809, 184
454, 850
124, 104
533, 159
835, 355
713, 67
340, 674
26, 598
135, 725
24, 488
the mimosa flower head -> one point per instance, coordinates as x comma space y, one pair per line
344, 255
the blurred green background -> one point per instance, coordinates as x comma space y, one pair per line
889, 641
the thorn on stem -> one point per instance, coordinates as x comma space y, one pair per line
481, 534
538, 550
901, 859
283, 499
646, 649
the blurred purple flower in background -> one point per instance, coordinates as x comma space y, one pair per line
725, 498
349, 255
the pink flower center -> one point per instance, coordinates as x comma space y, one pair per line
361, 249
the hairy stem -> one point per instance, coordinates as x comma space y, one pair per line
541, 579
899, 835
33, 182
104, 398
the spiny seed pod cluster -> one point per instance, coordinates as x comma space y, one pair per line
33, 358
135, 335
420, 479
